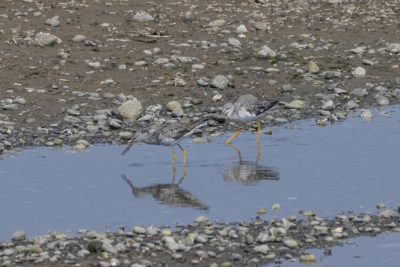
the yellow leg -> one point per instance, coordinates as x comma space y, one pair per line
184, 159
258, 151
236, 134
258, 132
236, 150
173, 163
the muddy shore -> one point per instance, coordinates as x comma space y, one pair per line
68, 67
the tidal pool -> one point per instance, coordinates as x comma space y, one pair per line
347, 166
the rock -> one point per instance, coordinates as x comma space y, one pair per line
19, 236
331, 74
241, 29
295, 104
130, 109
125, 135
220, 82
261, 249
307, 258
188, 16
388, 214
266, 52
79, 38
360, 92
53, 22
351, 105
359, 50
366, 115
359, 72
142, 16
47, 39
176, 108
328, 105
381, 205
261, 211
393, 48
95, 246
217, 23
139, 230
291, 243
234, 42
276, 207
261, 26
382, 100
312, 67
115, 123
201, 219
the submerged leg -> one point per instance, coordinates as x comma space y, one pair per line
258, 151
173, 162
236, 134
258, 132
236, 150
184, 159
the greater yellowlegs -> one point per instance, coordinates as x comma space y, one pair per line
169, 135
246, 110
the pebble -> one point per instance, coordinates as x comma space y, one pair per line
201, 219
261, 249
139, 230
47, 39
266, 52
176, 108
291, 243
241, 29
130, 109
79, 38
360, 92
53, 22
366, 115
220, 82
295, 104
382, 101
19, 236
312, 67
307, 258
143, 16
359, 72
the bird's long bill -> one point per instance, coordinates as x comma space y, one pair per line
127, 149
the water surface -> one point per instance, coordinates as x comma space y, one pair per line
351, 165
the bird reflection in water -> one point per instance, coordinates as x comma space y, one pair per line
249, 172
171, 194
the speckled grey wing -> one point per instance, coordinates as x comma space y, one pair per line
259, 108
184, 130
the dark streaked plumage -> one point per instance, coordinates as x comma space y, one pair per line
167, 135
247, 109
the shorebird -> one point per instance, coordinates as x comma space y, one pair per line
170, 135
246, 109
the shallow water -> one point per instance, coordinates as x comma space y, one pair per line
382, 250
351, 165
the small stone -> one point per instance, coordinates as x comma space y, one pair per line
19, 236
95, 246
131, 109
382, 100
241, 29
388, 214
201, 219
261, 249
381, 205
291, 243
295, 104
217, 23
139, 230
266, 52
359, 92
359, 72
79, 38
261, 211
143, 16
125, 135
115, 123
308, 258
53, 22
328, 105
176, 108
47, 39
351, 105
261, 26
276, 207
234, 42
312, 67
366, 115
220, 82
188, 16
